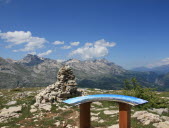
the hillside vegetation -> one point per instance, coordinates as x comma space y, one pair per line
104, 114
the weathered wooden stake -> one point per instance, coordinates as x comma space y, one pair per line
85, 115
124, 115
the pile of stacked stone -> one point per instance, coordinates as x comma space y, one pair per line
64, 88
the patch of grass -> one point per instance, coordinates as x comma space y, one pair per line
16, 90
108, 103
108, 121
60, 118
46, 123
165, 114
164, 94
70, 121
65, 113
54, 109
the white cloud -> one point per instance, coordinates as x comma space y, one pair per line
96, 50
33, 44
159, 63
58, 42
20, 37
16, 37
102, 42
75, 43
45, 53
88, 44
166, 60
66, 47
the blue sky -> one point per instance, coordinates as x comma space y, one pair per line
130, 33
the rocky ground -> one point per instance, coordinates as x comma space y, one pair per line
17, 111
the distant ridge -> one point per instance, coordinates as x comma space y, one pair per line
32, 71
159, 69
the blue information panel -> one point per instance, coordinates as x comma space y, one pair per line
105, 97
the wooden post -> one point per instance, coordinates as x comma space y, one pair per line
124, 115
85, 115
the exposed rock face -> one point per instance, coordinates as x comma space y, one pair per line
31, 60
159, 111
146, 118
161, 124
108, 112
65, 87
1, 94
11, 103
11, 112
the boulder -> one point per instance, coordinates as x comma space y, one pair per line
11, 103
1, 94
114, 126
159, 111
11, 112
146, 118
166, 118
46, 107
97, 103
161, 124
110, 112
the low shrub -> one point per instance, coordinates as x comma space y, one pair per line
132, 88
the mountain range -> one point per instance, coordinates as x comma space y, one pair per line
33, 71
159, 69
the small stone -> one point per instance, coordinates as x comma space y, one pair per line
11, 103
112, 112
95, 114
94, 118
33, 110
146, 118
161, 124
5, 127
46, 107
114, 126
69, 126
11, 112
35, 120
166, 118
1, 94
159, 111
101, 121
97, 103
147, 122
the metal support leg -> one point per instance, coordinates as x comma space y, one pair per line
124, 115
85, 115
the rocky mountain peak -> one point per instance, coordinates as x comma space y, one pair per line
10, 60
103, 60
72, 61
31, 60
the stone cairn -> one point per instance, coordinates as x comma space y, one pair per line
64, 88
